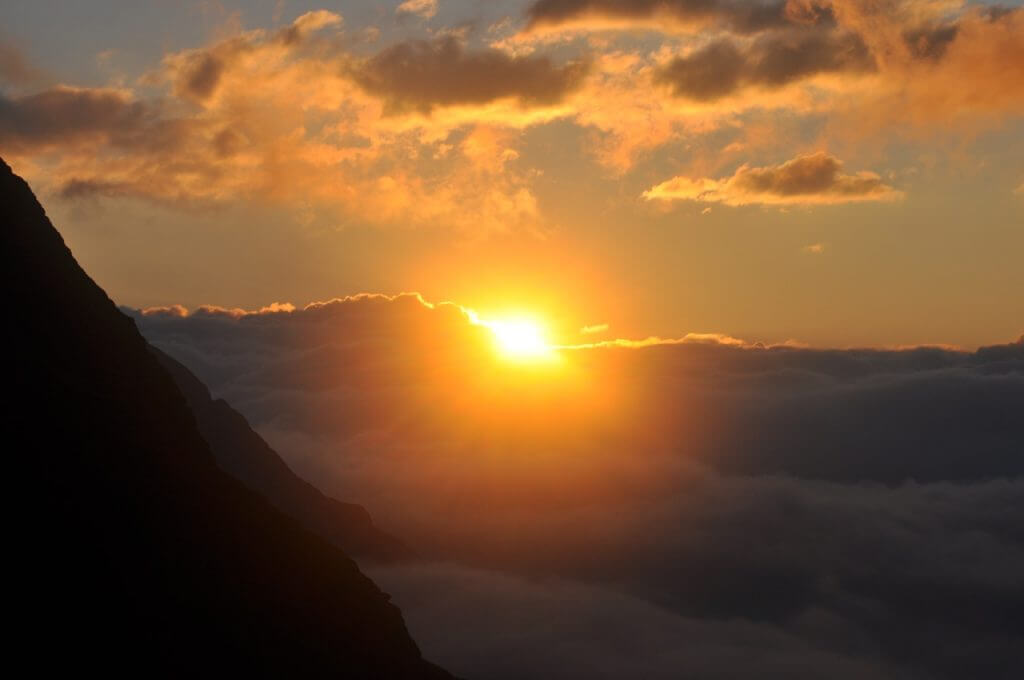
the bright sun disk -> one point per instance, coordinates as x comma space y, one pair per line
520, 338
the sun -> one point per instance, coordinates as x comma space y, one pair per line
520, 339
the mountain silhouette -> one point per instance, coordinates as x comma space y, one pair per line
243, 454
130, 550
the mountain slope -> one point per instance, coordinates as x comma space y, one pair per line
243, 454
132, 552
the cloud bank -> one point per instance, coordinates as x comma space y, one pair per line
705, 509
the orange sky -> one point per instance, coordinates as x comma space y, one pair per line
837, 173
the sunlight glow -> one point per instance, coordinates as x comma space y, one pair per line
520, 339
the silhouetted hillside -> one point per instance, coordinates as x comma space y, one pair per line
133, 552
248, 458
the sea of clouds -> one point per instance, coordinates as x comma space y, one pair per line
706, 509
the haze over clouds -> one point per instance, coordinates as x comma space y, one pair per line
800, 512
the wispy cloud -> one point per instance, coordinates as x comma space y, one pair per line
423, 8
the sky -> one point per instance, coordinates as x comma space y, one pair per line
837, 173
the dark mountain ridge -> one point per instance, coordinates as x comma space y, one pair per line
133, 552
243, 454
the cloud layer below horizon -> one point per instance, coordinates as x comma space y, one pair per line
703, 507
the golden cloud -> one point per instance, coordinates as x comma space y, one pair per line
814, 179
423, 8
430, 132
308, 132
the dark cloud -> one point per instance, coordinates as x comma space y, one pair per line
997, 12
722, 67
817, 173
783, 58
85, 188
931, 40
421, 75
688, 510
65, 115
930, 43
201, 76
736, 15
710, 73
197, 74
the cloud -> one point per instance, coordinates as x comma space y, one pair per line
201, 76
180, 311
308, 133
423, 8
936, 70
316, 20
814, 249
67, 115
396, 137
740, 17
721, 68
805, 180
421, 75
308, 23
597, 633
197, 73
168, 310
930, 42
76, 188
744, 504
594, 328
712, 72
361, 326
807, 388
